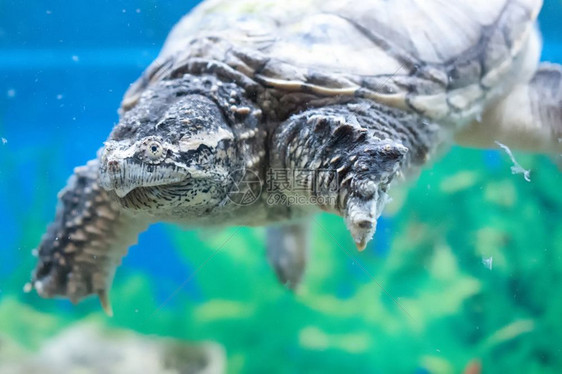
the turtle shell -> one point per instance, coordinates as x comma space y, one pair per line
443, 59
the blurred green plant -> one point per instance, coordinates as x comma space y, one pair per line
429, 305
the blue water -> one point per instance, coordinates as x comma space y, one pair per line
64, 67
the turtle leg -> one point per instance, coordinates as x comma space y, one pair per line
84, 245
342, 159
529, 118
287, 251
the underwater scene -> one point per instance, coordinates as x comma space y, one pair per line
461, 276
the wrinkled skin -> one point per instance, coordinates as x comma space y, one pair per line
179, 154
214, 136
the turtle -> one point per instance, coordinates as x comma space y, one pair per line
264, 113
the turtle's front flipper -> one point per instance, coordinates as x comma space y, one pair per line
529, 118
342, 159
287, 252
83, 246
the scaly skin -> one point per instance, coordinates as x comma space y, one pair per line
202, 129
83, 246
362, 146
171, 158
305, 89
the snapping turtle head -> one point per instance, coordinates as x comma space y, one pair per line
162, 149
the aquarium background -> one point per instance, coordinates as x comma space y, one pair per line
420, 299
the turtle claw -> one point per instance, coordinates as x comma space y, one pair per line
362, 211
105, 303
361, 246
362, 230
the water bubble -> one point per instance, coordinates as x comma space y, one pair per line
516, 168
488, 262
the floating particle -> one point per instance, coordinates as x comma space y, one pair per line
4, 141
11, 92
27, 287
488, 262
138, 10
59, 97
75, 58
48, 12
516, 168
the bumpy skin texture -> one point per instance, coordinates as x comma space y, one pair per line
203, 129
331, 94
207, 129
201, 135
365, 145
82, 247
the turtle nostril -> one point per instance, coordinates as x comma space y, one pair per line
113, 165
365, 224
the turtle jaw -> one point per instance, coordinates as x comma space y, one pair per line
122, 170
148, 162
123, 176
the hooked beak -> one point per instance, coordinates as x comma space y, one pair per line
121, 172
114, 178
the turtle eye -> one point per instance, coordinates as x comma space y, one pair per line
153, 151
